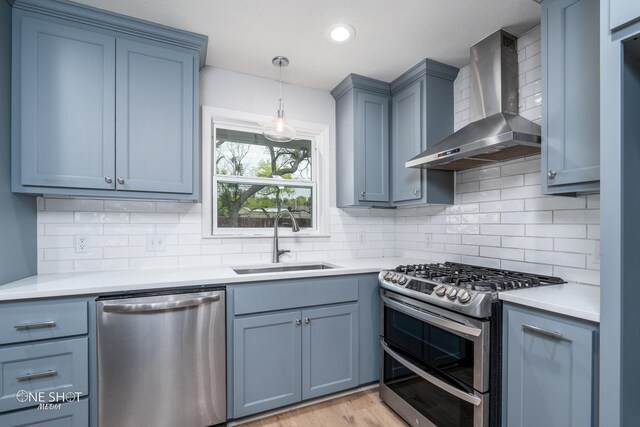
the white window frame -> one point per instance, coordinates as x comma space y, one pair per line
212, 118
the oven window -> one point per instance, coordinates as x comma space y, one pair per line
438, 406
437, 348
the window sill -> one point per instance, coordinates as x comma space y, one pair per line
267, 236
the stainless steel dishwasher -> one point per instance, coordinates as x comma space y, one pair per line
162, 359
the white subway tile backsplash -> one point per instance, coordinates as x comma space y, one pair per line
557, 230
539, 243
520, 192
556, 258
503, 206
101, 217
502, 229
73, 205
540, 217
577, 217
502, 253
481, 240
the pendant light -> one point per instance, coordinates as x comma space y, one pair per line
279, 130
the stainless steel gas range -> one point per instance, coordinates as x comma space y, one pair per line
441, 341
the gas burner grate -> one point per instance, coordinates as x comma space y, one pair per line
483, 279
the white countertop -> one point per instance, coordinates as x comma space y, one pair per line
70, 284
571, 299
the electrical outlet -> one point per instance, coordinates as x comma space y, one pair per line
362, 238
82, 244
156, 243
428, 240
596, 252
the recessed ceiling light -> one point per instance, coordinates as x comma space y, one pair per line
340, 33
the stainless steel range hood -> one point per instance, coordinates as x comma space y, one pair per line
496, 132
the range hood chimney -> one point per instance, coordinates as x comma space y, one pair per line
496, 132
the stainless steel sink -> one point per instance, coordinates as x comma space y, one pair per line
282, 268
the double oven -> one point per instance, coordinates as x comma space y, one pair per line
439, 367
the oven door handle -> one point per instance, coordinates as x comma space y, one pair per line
469, 398
432, 318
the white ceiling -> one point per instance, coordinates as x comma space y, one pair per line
391, 35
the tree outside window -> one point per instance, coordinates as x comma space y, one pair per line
257, 178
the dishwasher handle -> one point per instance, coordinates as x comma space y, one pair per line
160, 306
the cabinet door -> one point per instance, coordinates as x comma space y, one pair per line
66, 91
266, 362
329, 350
548, 364
406, 142
623, 12
368, 329
372, 147
571, 92
155, 116
72, 414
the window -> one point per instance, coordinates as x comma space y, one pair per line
248, 180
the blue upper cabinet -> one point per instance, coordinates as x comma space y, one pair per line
155, 117
406, 141
571, 93
103, 105
421, 116
66, 91
623, 12
362, 141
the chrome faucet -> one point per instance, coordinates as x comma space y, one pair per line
294, 227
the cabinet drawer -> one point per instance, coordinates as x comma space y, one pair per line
49, 367
273, 296
75, 414
30, 321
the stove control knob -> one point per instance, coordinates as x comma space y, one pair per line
451, 293
402, 280
395, 278
440, 290
388, 275
464, 296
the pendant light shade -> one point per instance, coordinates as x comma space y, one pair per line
279, 130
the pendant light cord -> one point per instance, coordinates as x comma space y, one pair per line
280, 83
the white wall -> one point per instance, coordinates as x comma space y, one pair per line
500, 218
118, 230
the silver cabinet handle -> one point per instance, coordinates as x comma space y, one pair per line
159, 306
552, 174
550, 334
120, 180
37, 375
447, 324
39, 325
298, 322
307, 320
108, 179
470, 398
364, 194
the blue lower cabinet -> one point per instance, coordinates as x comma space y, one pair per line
368, 329
549, 370
267, 362
329, 350
56, 367
72, 414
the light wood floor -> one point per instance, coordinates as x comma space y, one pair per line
360, 409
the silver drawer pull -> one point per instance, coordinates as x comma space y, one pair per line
39, 325
537, 330
37, 375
